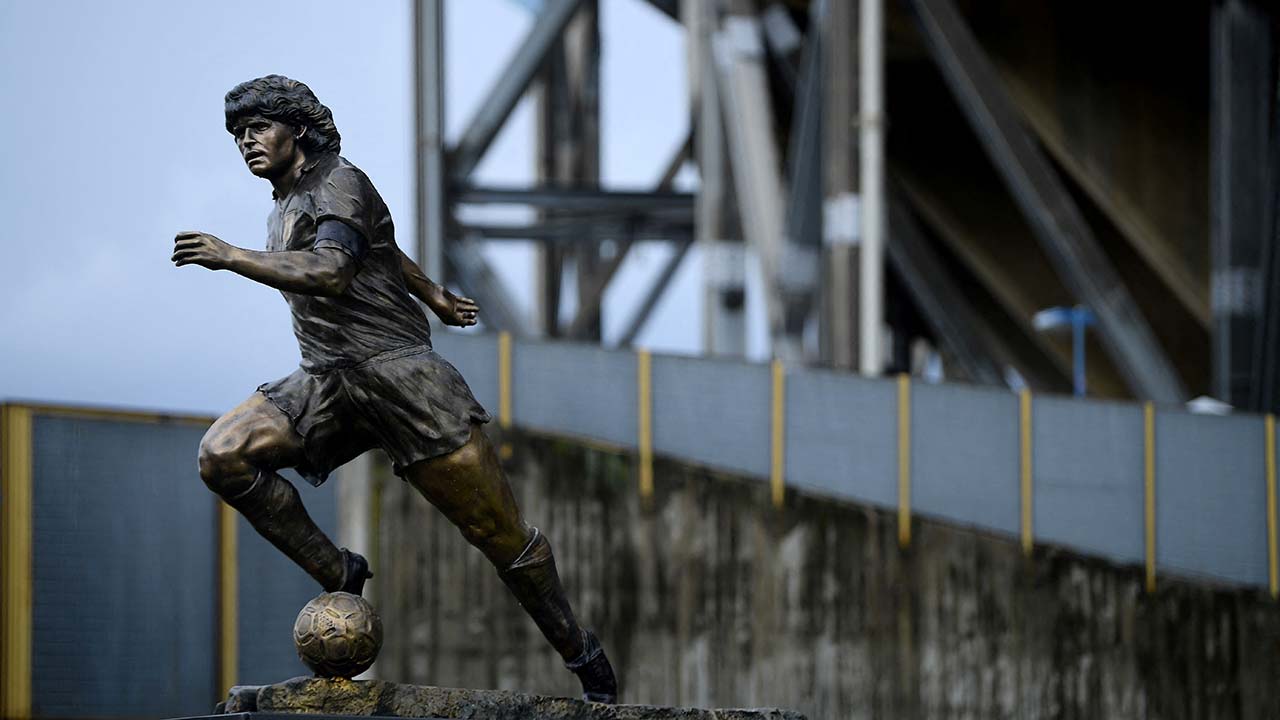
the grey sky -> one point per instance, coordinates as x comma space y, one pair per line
113, 140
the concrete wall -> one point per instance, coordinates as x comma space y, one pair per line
710, 597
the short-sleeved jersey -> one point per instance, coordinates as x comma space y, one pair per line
375, 313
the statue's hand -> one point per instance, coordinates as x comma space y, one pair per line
194, 247
454, 310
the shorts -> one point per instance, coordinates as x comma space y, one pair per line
409, 402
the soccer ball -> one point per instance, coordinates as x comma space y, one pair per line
338, 635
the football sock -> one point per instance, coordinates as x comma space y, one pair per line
274, 508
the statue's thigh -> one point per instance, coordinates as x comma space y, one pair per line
469, 487
255, 432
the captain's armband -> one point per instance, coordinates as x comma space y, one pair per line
337, 234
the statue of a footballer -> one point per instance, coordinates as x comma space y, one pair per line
368, 378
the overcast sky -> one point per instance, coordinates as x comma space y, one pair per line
113, 140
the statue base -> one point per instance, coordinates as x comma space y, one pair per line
318, 697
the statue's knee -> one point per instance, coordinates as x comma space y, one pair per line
500, 541
479, 531
222, 465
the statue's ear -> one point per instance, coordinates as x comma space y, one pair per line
298, 132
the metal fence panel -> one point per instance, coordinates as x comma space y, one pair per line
575, 389
123, 598
475, 355
1211, 496
842, 435
964, 455
1087, 470
714, 412
272, 590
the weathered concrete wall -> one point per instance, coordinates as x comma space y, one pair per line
710, 597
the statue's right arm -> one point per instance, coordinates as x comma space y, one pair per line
320, 271
325, 271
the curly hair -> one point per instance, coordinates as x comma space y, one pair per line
289, 101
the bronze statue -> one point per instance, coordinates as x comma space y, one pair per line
368, 378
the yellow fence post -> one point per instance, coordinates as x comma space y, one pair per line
777, 435
228, 599
1149, 491
15, 562
904, 460
504, 389
1024, 432
644, 401
1273, 577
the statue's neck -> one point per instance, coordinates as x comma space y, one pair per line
287, 180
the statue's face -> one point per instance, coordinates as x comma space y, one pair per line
268, 146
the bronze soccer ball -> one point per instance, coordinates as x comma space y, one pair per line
338, 635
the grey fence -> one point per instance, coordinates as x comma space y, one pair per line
1087, 489
113, 567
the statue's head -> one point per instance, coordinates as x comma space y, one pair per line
272, 118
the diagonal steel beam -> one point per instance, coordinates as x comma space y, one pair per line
589, 312
670, 8
942, 302
1049, 209
746, 105
512, 83
655, 293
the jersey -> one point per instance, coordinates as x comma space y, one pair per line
376, 313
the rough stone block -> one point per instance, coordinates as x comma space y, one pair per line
364, 698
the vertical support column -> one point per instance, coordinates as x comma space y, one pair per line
1241, 96
800, 278
429, 158
1024, 470
1149, 491
904, 460
228, 599
644, 402
838, 323
569, 153
1273, 563
874, 218
777, 435
723, 306
15, 562
552, 100
582, 61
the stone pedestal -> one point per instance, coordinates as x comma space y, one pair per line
376, 698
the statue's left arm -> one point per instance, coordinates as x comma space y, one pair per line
451, 309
